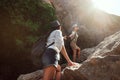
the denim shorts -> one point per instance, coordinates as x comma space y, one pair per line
49, 58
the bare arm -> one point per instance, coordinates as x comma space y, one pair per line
64, 53
71, 35
59, 41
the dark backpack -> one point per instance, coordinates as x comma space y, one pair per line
38, 50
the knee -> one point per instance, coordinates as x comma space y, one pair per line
58, 68
79, 49
74, 51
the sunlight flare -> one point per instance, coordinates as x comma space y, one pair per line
110, 6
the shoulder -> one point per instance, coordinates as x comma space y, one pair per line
55, 31
73, 32
58, 31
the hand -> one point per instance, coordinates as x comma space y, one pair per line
71, 63
68, 37
65, 37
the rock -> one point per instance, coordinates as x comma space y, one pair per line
106, 68
72, 73
107, 47
103, 63
110, 46
85, 53
37, 75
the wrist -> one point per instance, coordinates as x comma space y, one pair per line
69, 61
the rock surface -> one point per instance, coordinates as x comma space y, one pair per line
37, 75
85, 53
103, 63
94, 24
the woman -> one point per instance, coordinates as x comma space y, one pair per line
74, 36
52, 69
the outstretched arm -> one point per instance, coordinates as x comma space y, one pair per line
64, 53
59, 41
71, 35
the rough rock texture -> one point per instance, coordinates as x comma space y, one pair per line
103, 63
106, 68
37, 75
110, 46
94, 24
85, 53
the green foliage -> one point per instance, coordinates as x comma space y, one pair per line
22, 22
20, 44
32, 39
32, 26
29, 18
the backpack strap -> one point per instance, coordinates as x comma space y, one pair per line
50, 44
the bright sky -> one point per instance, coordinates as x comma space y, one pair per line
110, 6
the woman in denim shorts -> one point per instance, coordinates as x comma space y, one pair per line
52, 69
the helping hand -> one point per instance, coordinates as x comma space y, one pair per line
65, 37
72, 63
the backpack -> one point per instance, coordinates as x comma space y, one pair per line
38, 50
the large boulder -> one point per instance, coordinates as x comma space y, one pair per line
37, 75
103, 63
106, 68
85, 53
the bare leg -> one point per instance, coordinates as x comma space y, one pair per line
78, 52
74, 55
58, 73
49, 73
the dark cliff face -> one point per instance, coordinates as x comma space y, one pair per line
21, 24
94, 24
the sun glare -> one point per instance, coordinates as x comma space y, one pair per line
110, 6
